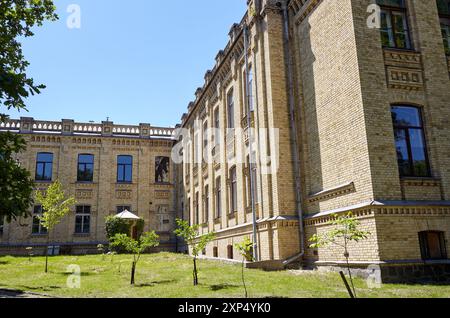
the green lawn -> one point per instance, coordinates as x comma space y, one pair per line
170, 275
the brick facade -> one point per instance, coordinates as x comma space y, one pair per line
153, 201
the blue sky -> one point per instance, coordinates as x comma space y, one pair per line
134, 61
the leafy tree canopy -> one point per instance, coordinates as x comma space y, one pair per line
16, 186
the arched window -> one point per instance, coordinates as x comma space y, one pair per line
410, 141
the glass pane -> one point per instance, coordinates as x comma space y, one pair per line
418, 153
87, 224
128, 173
48, 171
40, 171
402, 153
45, 157
126, 160
392, 3
121, 173
387, 36
443, 7
401, 30
86, 159
404, 116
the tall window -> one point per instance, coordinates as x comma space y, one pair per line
249, 89
125, 169
37, 227
394, 24
233, 190
189, 211
218, 198
230, 109
432, 245
83, 220
255, 181
444, 16
85, 168
197, 207
44, 166
205, 141
121, 208
206, 205
216, 126
410, 142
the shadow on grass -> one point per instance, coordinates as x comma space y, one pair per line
81, 274
46, 288
222, 287
152, 284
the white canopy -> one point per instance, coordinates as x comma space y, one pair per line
127, 215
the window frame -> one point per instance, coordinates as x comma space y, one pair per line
124, 166
218, 198
407, 129
2, 225
404, 11
83, 216
233, 191
124, 207
84, 164
42, 231
206, 205
425, 249
231, 122
45, 166
445, 17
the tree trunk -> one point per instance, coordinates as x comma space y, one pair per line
46, 253
195, 272
243, 278
133, 271
349, 272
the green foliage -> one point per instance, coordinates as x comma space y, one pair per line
345, 229
136, 247
245, 248
55, 205
192, 236
16, 185
17, 20
115, 225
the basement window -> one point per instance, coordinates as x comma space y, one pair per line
432, 245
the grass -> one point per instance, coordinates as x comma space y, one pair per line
167, 275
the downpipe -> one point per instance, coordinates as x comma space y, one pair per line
294, 133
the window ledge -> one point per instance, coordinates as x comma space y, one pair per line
232, 215
81, 234
421, 181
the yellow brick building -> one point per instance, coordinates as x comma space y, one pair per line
359, 92
107, 168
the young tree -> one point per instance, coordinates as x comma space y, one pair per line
17, 19
136, 247
197, 243
55, 206
245, 248
345, 229
16, 185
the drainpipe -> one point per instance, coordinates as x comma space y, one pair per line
295, 152
250, 140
